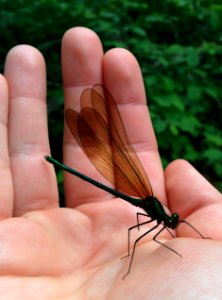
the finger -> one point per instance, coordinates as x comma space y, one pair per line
33, 178
123, 78
195, 199
6, 186
82, 67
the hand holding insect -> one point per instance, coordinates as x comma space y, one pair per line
75, 252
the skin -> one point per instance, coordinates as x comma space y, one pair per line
75, 252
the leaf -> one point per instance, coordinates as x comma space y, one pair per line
194, 92
162, 101
174, 129
177, 102
213, 155
159, 125
189, 124
214, 139
193, 57
190, 153
211, 91
150, 80
168, 84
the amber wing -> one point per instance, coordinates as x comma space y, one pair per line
100, 132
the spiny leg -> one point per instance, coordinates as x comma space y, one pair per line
134, 246
137, 217
170, 232
129, 230
191, 226
162, 244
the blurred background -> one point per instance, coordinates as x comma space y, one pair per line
178, 44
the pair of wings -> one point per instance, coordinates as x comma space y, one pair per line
99, 130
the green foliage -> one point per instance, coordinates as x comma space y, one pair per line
178, 46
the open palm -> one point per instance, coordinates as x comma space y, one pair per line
75, 252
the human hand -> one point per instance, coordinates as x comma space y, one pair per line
49, 252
